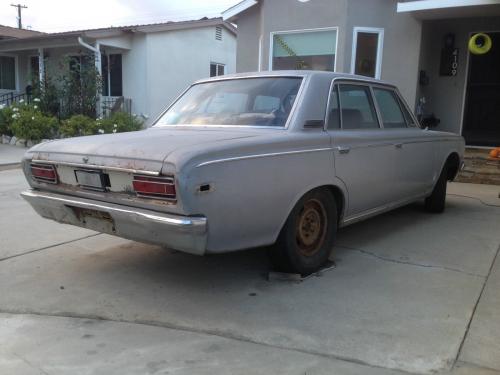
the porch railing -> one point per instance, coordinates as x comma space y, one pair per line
12, 97
111, 104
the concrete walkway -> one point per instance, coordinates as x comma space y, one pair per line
411, 293
10, 155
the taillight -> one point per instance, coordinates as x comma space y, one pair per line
44, 173
154, 187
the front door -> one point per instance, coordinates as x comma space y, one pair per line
482, 109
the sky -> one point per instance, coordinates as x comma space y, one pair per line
66, 15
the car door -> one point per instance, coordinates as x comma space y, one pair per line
363, 157
413, 162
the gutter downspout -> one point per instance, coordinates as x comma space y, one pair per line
97, 53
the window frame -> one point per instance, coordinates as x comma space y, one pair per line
217, 65
106, 79
371, 97
302, 31
291, 116
380, 47
16, 72
397, 98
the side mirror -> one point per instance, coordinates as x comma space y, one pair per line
430, 121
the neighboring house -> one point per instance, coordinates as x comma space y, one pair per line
7, 62
7, 32
145, 67
421, 46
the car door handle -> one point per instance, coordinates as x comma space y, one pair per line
343, 149
398, 145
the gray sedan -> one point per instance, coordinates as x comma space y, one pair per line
249, 160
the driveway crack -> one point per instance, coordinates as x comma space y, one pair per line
48, 247
475, 198
459, 352
423, 265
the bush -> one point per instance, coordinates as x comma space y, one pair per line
30, 123
6, 120
119, 122
78, 125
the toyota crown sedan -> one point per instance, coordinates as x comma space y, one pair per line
275, 159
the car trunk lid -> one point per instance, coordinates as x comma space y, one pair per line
140, 151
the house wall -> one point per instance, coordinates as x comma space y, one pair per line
175, 59
248, 39
445, 95
135, 75
402, 39
159, 66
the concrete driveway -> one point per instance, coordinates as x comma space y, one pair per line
411, 292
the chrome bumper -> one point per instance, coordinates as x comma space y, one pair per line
184, 233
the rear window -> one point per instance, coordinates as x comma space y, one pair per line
263, 101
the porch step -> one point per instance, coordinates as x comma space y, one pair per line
479, 168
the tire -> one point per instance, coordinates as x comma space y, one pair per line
306, 240
435, 202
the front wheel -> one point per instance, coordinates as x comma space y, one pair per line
436, 201
306, 240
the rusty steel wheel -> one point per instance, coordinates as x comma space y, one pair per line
306, 240
311, 227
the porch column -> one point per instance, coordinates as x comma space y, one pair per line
41, 67
98, 58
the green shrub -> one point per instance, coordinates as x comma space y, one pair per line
6, 120
78, 125
119, 122
30, 123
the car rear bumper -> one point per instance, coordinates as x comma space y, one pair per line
184, 233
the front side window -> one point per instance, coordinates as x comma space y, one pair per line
7, 73
389, 108
313, 50
357, 109
237, 102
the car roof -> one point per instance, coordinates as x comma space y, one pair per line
297, 73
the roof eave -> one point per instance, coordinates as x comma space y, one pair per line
231, 14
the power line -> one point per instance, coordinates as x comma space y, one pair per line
19, 17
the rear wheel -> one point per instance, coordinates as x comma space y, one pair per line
436, 201
306, 240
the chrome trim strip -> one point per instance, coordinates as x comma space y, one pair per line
94, 166
378, 210
262, 156
180, 222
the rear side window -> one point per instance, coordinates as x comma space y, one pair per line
356, 107
390, 110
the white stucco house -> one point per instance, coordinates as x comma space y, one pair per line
145, 66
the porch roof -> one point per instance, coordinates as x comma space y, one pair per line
70, 38
440, 9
